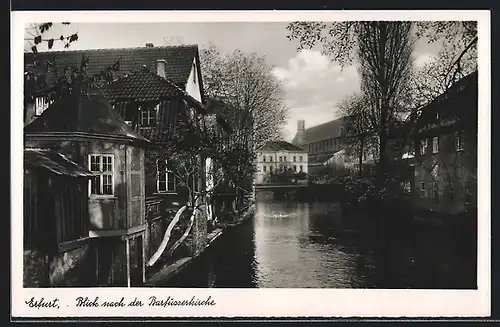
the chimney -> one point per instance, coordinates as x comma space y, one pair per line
149, 45
301, 132
160, 67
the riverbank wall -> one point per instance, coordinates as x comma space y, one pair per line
175, 265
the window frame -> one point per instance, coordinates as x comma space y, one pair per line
424, 143
435, 190
459, 141
101, 173
166, 182
423, 191
45, 104
435, 145
143, 110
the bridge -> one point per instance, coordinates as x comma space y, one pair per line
275, 186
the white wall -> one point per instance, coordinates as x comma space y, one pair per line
193, 85
276, 164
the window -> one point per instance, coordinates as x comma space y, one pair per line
295, 168
194, 73
284, 158
459, 141
451, 191
435, 190
435, 171
41, 104
270, 158
264, 158
148, 117
423, 191
435, 144
165, 179
102, 166
423, 146
270, 169
300, 158
300, 168
264, 168
281, 158
294, 159
406, 187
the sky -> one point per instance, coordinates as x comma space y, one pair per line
312, 84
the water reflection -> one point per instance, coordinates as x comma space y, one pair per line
302, 245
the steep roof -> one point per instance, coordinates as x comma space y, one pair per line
179, 60
457, 106
92, 115
332, 129
321, 159
143, 85
280, 146
54, 162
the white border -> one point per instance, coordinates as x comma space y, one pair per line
261, 302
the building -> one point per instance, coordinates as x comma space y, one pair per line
327, 144
279, 157
180, 64
84, 203
445, 160
155, 90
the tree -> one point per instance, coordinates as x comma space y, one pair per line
359, 132
189, 144
456, 58
382, 51
244, 81
35, 35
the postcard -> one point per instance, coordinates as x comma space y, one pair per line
250, 164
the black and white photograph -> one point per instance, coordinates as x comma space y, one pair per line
288, 154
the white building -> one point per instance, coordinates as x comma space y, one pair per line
279, 156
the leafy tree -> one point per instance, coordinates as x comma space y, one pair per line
359, 135
382, 51
244, 82
188, 145
456, 58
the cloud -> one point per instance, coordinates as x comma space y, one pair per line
420, 59
312, 86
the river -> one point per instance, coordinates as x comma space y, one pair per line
311, 245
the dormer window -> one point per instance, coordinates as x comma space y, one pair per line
41, 104
148, 116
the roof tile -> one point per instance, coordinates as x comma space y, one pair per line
179, 60
280, 146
